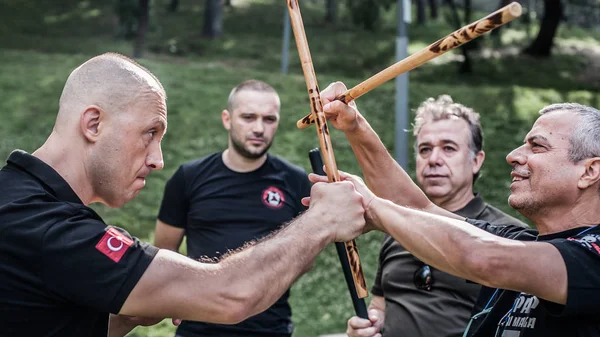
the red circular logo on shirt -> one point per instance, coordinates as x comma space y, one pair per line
273, 197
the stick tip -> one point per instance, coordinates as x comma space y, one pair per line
305, 122
301, 124
515, 9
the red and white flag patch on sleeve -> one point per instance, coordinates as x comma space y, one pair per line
114, 244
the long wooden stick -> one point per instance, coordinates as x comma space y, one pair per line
360, 307
323, 132
458, 38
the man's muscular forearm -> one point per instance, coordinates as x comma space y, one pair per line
249, 281
382, 173
265, 271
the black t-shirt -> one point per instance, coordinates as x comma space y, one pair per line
62, 269
221, 210
444, 310
515, 314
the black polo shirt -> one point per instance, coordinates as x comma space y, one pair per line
62, 269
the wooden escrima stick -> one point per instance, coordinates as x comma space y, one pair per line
458, 38
323, 132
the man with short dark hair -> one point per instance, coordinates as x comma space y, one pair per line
63, 270
226, 199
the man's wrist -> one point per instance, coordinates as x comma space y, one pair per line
372, 212
313, 221
359, 128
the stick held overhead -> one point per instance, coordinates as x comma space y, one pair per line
323, 132
440, 47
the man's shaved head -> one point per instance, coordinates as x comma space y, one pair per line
112, 82
112, 117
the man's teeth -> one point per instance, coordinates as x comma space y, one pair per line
517, 179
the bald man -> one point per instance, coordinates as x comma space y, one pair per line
63, 270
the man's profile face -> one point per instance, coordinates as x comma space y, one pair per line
543, 176
128, 151
253, 122
444, 162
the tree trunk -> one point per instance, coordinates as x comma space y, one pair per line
466, 66
496, 34
173, 5
140, 39
420, 12
330, 11
213, 19
433, 7
542, 45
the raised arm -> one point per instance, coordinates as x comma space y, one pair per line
382, 173
248, 282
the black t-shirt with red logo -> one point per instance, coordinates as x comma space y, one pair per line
62, 269
221, 210
515, 314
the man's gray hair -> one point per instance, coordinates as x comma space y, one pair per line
585, 140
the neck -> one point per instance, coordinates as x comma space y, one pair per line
454, 202
582, 212
68, 163
238, 163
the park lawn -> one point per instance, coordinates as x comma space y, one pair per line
507, 91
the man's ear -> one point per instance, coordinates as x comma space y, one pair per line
591, 175
478, 161
226, 119
90, 123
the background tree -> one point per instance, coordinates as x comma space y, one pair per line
542, 45
173, 5
433, 9
330, 11
420, 11
213, 19
367, 13
142, 29
466, 66
127, 12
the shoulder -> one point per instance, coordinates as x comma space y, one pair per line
198, 167
283, 165
202, 162
26, 200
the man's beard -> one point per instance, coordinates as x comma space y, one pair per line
239, 148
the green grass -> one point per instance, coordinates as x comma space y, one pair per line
41, 44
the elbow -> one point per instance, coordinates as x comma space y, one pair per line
237, 306
234, 315
232, 311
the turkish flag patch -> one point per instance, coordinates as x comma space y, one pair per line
114, 244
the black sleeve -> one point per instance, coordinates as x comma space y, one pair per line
377, 288
507, 231
581, 255
174, 206
92, 264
